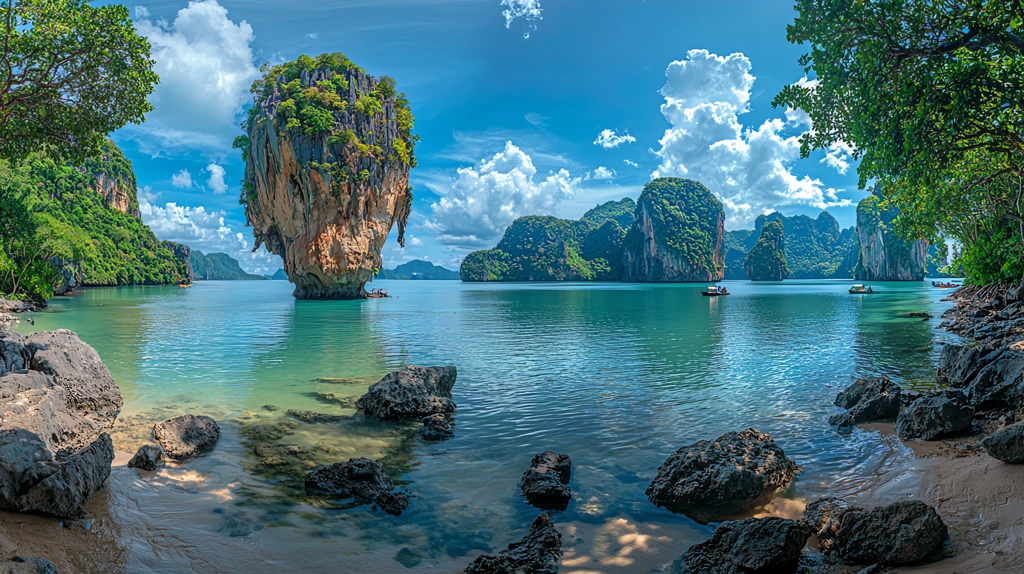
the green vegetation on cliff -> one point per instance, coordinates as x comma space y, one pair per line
815, 248
52, 211
218, 267
418, 269
884, 255
767, 259
683, 216
620, 212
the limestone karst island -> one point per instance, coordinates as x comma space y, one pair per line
512, 287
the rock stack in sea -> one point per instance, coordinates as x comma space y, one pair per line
58, 403
884, 256
328, 151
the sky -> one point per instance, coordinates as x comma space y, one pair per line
523, 107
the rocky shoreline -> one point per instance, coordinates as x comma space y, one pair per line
956, 497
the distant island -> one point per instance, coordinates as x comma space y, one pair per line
218, 267
419, 270
278, 275
675, 233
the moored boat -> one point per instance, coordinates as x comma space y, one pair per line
860, 289
714, 291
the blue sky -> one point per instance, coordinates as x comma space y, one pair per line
556, 107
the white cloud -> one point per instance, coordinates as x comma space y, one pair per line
477, 206
204, 230
609, 139
413, 240
750, 169
205, 63
182, 179
216, 179
838, 156
528, 10
312, 35
601, 172
631, 163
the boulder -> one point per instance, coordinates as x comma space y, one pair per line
935, 415
546, 483
867, 400
824, 516
991, 378
361, 479
539, 552
21, 565
58, 402
413, 392
753, 545
148, 457
729, 475
33, 479
1006, 444
901, 533
436, 427
186, 436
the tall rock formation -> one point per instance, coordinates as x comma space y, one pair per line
113, 178
883, 255
767, 259
327, 150
677, 234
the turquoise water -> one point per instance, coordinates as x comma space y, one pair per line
618, 376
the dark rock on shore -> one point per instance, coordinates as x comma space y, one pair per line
436, 427
752, 545
934, 415
1006, 444
361, 479
824, 516
413, 392
867, 400
186, 436
729, 475
58, 402
17, 306
991, 378
148, 457
539, 552
546, 483
901, 533
20, 565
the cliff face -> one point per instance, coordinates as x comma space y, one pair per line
677, 234
883, 255
328, 154
114, 179
767, 260
183, 254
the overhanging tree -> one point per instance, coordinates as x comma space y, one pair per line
70, 73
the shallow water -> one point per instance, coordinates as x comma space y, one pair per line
616, 375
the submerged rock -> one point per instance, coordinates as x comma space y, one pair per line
186, 436
314, 417
752, 545
1006, 444
539, 552
729, 475
324, 196
934, 415
58, 403
867, 400
20, 565
546, 483
900, 533
361, 479
436, 427
149, 457
413, 392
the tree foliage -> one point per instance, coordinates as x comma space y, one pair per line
70, 73
931, 95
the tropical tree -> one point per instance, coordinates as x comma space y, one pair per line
931, 97
70, 73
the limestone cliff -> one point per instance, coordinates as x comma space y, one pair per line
328, 150
767, 259
677, 234
114, 179
883, 255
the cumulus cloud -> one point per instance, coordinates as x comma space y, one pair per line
413, 240
838, 156
311, 35
750, 169
202, 229
182, 179
609, 139
631, 163
483, 200
216, 179
205, 63
527, 10
601, 172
